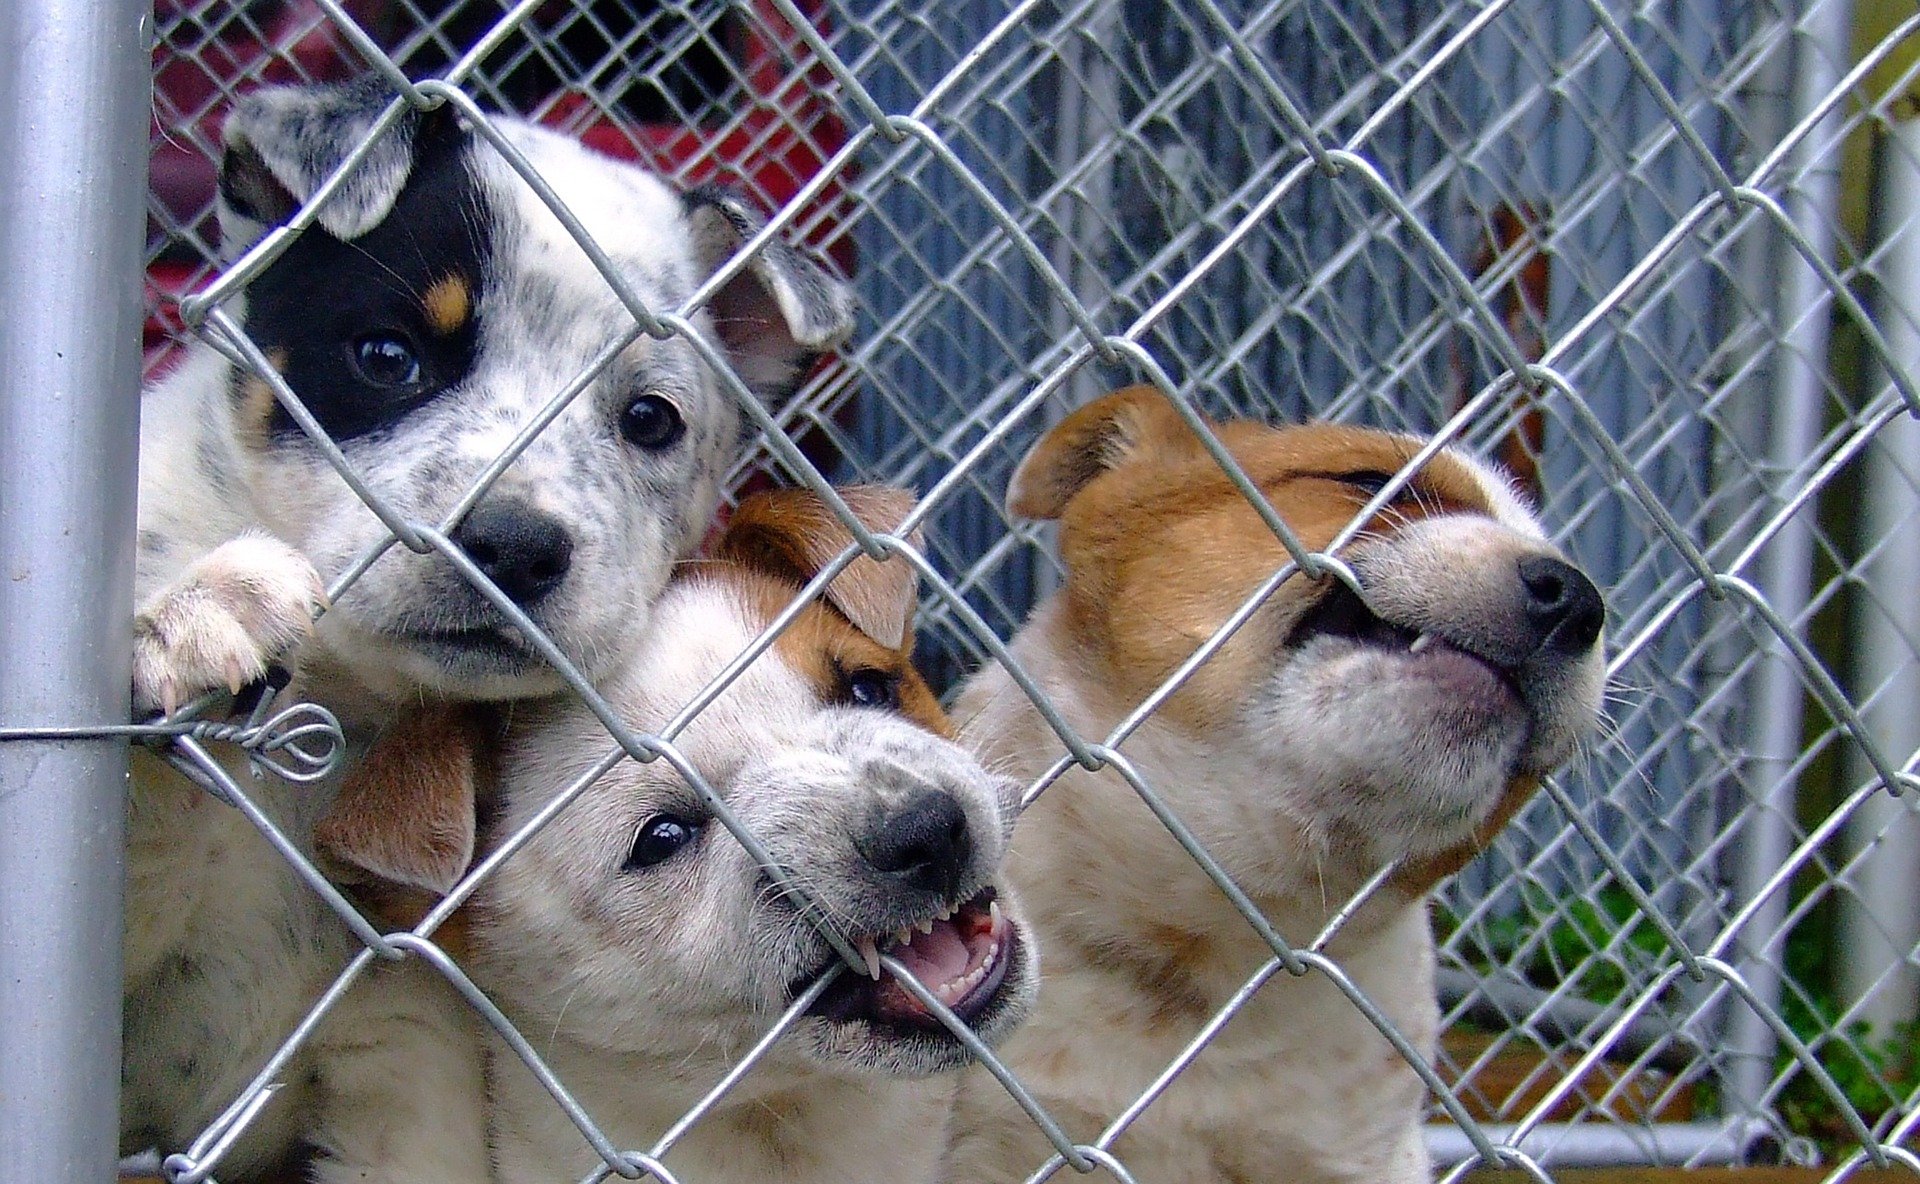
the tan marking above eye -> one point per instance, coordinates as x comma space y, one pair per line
448, 304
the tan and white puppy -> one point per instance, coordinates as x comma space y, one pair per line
1333, 734
643, 951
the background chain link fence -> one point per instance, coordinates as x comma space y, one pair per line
1620, 244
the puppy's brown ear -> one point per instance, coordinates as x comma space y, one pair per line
405, 814
1112, 430
791, 534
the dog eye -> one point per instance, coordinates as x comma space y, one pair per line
1371, 481
385, 360
872, 688
657, 839
652, 422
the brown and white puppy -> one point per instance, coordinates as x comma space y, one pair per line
1332, 735
643, 951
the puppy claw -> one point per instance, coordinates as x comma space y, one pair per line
1420, 643
233, 612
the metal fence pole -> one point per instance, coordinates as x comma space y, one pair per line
1786, 569
1880, 920
74, 95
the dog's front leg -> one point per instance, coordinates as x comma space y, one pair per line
230, 614
402, 1084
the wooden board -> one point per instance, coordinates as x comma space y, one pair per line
1505, 1085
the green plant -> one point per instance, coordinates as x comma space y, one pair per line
1602, 945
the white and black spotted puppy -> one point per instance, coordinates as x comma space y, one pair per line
425, 320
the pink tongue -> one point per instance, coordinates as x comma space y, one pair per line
934, 958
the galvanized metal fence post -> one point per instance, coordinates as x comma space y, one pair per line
1775, 741
73, 118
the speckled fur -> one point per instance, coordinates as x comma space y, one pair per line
225, 949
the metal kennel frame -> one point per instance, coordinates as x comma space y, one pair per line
1658, 255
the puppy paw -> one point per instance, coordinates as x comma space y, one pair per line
231, 613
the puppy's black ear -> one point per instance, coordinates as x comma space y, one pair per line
405, 815
284, 141
792, 535
1112, 430
780, 312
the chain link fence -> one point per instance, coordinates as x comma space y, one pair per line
1619, 245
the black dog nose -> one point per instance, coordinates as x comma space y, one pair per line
1562, 605
923, 844
524, 551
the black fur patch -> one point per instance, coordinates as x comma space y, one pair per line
323, 298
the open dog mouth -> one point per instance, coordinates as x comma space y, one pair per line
1341, 613
961, 957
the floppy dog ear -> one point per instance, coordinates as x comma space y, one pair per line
405, 815
780, 312
791, 534
1111, 431
283, 141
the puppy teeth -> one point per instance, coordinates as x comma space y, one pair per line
864, 947
954, 990
903, 936
993, 913
1420, 643
926, 926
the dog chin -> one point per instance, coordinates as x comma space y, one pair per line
478, 671
471, 661
472, 664
878, 1026
1412, 751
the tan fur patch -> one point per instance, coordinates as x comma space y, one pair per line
448, 304
824, 648
778, 540
792, 535
255, 409
1163, 549
405, 813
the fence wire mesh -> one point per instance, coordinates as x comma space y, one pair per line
1609, 242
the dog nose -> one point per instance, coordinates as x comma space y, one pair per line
1562, 605
524, 551
923, 844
